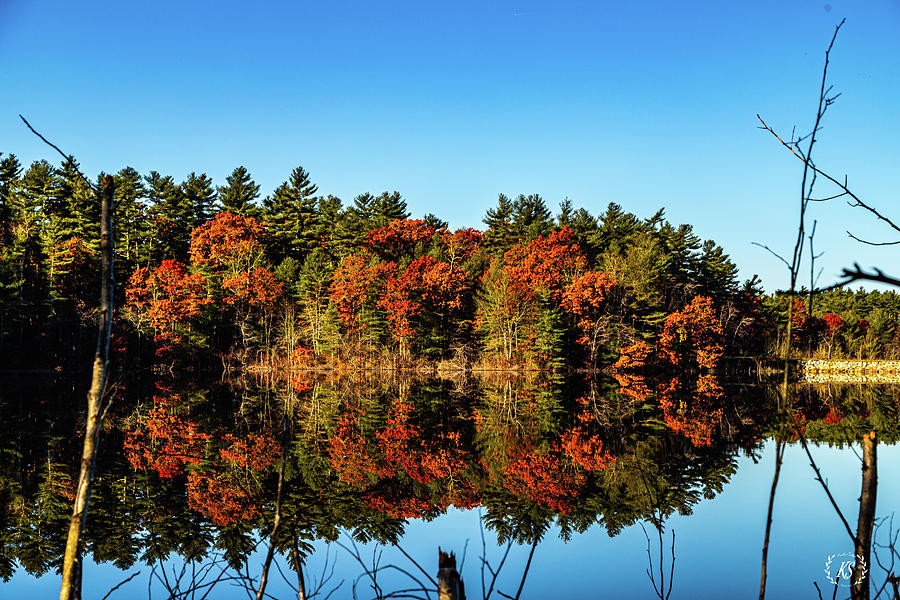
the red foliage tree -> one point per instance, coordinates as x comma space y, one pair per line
355, 287
544, 478
164, 441
694, 413
165, 297
584, 298
461, 244
427, 285
220, 497
256, 288
692, 337
546, 264
229, 243
398, 238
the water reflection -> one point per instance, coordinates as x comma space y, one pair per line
192, 471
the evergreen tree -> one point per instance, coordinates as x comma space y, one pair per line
133, 228
240, 194
10, 170
76, 206
198, 190
387, 208
615, 226
717, 274
531, 218
353, 224
436, 222
566, 214
498, 236
292, 218
172, 219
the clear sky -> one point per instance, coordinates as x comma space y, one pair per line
647, 104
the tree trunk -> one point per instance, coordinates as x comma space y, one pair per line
71, 571
866, 522
450, 586
779, 456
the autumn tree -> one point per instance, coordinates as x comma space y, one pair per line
692, 337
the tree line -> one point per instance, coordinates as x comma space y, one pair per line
223, 270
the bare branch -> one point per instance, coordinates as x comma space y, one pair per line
64, 155
133, 575
821, 480
868, 243
775, 254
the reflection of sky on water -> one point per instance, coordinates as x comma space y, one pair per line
718, 548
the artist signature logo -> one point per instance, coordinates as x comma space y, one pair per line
839, 569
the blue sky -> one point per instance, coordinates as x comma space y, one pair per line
647, 104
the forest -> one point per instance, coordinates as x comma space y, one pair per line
210, 275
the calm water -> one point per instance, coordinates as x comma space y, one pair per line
190, 471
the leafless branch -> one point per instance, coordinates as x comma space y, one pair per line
775, 254
63, 154
824, 484
109, 593
868, 243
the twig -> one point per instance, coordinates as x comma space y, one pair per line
837, 509
136, 573
64, 155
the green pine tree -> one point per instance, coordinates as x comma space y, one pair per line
172, 218
292, 218
198, 190
240, 193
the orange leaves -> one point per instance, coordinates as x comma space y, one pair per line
692, 337
542, 477
165, 296
258, 287
632, 357
461, 244
547, 263
398, 237
349, 455
229, 242
164, 441
427, 284
355, 284
587, 292
584, 298
423, 460
694, 413
257, 452
220, 497
585, 449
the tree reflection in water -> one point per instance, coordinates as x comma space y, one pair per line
193, 472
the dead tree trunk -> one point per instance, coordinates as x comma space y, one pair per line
779, 457
866, 521
450, 586
71, 572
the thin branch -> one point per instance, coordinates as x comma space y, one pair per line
417, 565
136, 573
775, 254
868, 243
821, 480
527, 566
64, 155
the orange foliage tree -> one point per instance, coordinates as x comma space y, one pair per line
164, 440
692, 337
584, 298
428, 290
165, 298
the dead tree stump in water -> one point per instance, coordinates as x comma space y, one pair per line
450, 585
